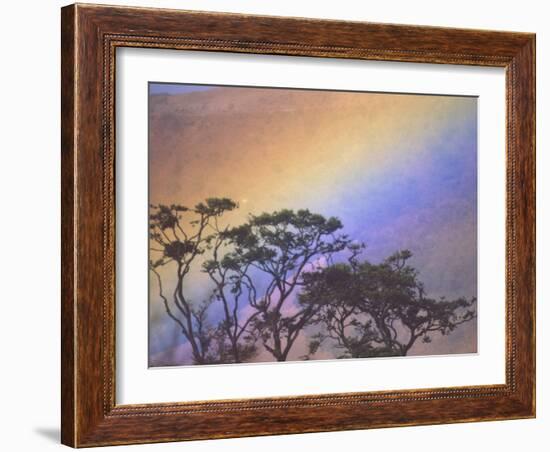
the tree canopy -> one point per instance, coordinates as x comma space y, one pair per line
378, 309
288, 273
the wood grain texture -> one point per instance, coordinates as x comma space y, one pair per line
90, 36
67, 225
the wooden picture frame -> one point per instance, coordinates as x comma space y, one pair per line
90, 36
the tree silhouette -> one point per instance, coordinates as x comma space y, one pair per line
378, 310
275, 248
233, 289
178, 236
280, 275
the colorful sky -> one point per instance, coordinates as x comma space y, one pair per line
398, 170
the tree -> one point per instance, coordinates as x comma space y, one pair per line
233, 286
378, 310
281, 272
178, 236
270, 254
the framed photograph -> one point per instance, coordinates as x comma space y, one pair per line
281, 225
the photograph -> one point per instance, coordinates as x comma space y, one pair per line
291, 224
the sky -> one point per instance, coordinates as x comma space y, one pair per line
398, 170
171, 88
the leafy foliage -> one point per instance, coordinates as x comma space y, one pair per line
379, 310
282, 272
181, 234
280, 246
